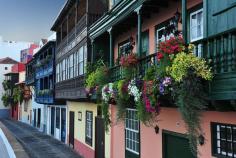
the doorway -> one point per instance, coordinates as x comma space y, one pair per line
71, 130
175, 145
99, 138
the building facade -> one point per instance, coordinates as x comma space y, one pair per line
5, 66
142, 24
72, 53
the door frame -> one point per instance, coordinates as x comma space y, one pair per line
172, 133
71, 112
96, 136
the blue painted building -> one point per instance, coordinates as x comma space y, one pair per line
44, 74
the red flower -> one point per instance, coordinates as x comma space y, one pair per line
159, 56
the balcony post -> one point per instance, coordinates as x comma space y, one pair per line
184, 20
111, 47
138, 11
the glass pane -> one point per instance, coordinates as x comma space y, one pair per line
194, 20
229, 134
193, 32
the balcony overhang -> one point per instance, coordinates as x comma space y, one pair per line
66, 7
123, 14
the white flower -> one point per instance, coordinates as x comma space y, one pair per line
134, 91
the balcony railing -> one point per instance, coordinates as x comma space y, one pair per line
44, 70
45, 97
72, 34
220, 51
142, 66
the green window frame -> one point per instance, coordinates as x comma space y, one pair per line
223, 140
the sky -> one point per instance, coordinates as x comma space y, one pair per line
28, 20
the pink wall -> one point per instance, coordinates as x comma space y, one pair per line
83, 150
150, 24
169, 119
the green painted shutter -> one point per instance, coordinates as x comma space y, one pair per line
220, 16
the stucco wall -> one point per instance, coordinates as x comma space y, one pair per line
169, 119
79, 128
150, 24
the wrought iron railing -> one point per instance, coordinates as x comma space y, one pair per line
144, 63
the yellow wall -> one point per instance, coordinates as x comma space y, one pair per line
22, 76
79, 129
80, 125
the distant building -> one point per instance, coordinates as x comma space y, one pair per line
5, 67
27, 54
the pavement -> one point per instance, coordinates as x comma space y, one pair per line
37, 144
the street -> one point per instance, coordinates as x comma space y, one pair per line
37, 144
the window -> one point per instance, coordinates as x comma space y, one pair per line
224, 140
196, 25
57, 73
89, 127
132, 132
76, 60
71, 69
58, 118
85, 58
161, 35
6, 68
81, 61
64, 69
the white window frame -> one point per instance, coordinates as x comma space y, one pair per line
195, 13
132, 131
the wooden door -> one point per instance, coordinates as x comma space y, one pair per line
175, 145
71, 130
99, 138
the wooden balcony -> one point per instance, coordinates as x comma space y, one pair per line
44, 70
45, 98
73, 89
220, 51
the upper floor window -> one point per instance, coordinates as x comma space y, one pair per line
224, 140
196, 25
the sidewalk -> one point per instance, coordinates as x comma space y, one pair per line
16, 146
37, 144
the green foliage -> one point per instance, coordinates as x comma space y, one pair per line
18, 95
183, 62
6, 85
151, 73
106, 115
145, 117
97, 74
191, 100
6, 99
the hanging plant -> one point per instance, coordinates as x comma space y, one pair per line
189, 72
18, 95
6, 99
129, 65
